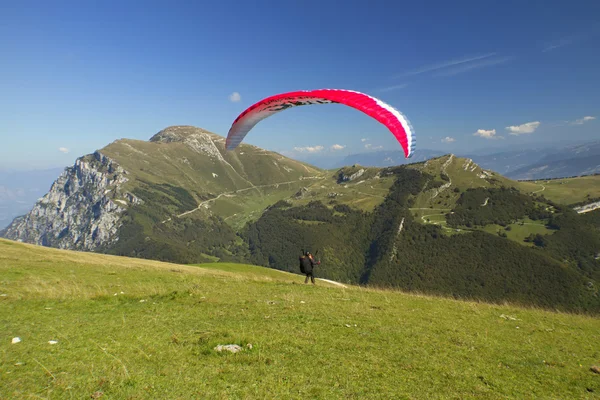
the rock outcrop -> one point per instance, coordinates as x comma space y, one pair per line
81, 211
198, 139
348, 174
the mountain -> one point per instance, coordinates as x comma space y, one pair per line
540, 162
571, 161
507, 161
498, 161
445, 225
386, 158
19, 191
160, 198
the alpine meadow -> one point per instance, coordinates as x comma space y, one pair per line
100, 326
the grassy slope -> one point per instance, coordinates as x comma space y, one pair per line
565, 191
156, 338
466, 174
519, 232
463, 174
248, 180
363, 194
255, 180
367, 193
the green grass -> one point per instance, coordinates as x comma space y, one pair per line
132, 328
248, 179
363, 193
437, 217
253, 271
565, 191
519, 232
463, 174
241, 208
247, 205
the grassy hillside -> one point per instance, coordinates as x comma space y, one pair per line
129, 328
439, 226
451, 176
565, 191
390, 247
454, 176
464, 174
196, 161
354, 215
196, 195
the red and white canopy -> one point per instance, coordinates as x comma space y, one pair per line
397, 123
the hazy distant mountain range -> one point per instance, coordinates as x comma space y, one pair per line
534, 163
569, 161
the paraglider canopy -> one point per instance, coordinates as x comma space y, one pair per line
393, 119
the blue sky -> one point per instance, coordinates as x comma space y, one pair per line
75, 76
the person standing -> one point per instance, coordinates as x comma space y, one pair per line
307, 264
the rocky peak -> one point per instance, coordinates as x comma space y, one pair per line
347, 174
82, 209
180, 133
199, 140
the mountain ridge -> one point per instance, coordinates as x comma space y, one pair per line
541, 162
182, 197
577, 160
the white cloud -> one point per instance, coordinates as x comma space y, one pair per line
487, 134
448, 139
395, 87
363, 140
481, 64
235, 97
369, 146
63, 150
309, 149
447, 64
583, 120
338, 147
564, 41
557, 44
528, 127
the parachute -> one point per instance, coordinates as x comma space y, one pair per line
391, 118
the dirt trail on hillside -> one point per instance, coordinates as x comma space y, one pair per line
235, 192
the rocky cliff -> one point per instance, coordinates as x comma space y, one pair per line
82, 209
